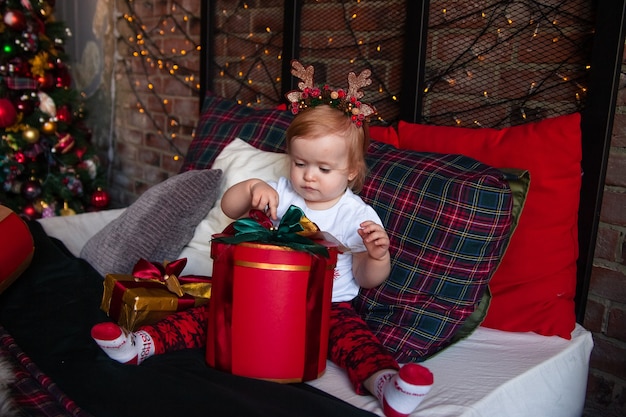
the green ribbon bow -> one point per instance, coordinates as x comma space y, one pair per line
286, 234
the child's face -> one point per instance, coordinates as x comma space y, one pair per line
319, 169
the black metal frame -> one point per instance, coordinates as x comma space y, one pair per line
597, 127
597, 117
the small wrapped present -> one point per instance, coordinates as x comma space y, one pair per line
270, 306
152, 292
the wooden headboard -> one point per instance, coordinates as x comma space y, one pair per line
597, 113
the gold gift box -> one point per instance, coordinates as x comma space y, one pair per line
134, 302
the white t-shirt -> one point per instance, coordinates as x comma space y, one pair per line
342, 221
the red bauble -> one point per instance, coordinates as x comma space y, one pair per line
64, 114
100, 198
20, 158
8, 114
30, 212
15, 19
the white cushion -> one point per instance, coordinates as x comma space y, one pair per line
238, 161
75, 231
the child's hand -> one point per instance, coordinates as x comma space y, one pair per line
264, 198
375, 239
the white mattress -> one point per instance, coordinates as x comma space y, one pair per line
490, 374
495, 374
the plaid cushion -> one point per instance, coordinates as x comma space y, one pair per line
448, 218
223, 120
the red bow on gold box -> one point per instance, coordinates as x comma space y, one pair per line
151, 293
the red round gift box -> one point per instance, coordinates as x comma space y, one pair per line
269, 311
16, 247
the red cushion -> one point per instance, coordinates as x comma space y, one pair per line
534, 286
16, 247
384, 134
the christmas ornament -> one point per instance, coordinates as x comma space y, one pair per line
91, 166
64, 114
39, 64
46, 104
31, 189
100, 198
65, 144
39, 204
74, 185
66, 210
29, 211
48, 211
49, 128
30, 135
27, 5
15, 19
20, 158
8, 115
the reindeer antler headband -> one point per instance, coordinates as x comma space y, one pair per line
346, 101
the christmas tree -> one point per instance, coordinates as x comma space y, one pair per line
48, 165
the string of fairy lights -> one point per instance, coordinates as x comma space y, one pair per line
149, 60
560, 23
248, 70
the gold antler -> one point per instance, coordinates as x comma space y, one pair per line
355, 83
305, 74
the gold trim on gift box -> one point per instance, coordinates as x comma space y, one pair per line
272, 267
268, 246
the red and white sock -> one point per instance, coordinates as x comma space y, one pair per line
121, 345
401, 392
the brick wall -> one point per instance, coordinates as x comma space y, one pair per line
143, 158
606, 306
143, 153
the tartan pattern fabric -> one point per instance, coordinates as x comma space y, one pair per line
33, 392
222, 121
20, 83
448, 218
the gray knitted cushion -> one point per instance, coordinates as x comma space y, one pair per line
157, 226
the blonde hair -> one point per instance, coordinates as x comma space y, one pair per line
315, 122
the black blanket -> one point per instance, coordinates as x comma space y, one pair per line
50, 310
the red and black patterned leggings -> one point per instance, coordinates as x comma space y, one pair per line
351, 344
